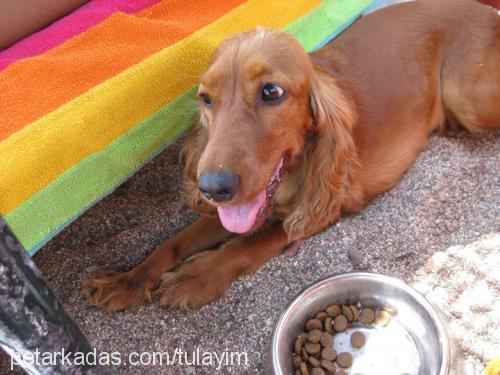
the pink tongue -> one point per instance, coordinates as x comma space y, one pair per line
240, 219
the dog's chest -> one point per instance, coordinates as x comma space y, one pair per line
283, 199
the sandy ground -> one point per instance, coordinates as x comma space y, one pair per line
448, 198
465, 283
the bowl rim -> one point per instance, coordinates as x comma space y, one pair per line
442, 334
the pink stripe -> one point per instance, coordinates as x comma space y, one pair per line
67, 27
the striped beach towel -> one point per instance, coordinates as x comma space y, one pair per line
87, 101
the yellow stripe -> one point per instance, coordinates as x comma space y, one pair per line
46, 148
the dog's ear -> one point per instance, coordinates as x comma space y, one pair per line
328, 160
193, 147
333, 115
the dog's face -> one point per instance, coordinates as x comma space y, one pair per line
254, 101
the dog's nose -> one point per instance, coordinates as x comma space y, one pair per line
221, 185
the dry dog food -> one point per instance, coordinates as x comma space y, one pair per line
314, 336
326, 340
347, 312
314, 324
329, 324
328, 365
318, 371
333, 310
357, 339
312, 348
314, 352
340, 323
367, 316
355, 311
344, 360
328, 354
382, 318
321, 316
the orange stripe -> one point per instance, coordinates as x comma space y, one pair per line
34, 87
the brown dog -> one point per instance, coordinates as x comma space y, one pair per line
287, 142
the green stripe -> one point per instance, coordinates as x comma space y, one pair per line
47, 212
326, 21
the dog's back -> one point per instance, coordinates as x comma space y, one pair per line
470, 74
410, 68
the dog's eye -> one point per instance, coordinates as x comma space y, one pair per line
206, 99
271, 93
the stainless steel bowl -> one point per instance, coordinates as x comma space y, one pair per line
414, 342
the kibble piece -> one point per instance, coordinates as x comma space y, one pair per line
328, 366
355, 311
318, 371
344, 360
333, 310
314, 362
313, 348
314, 336
358, 339
297, 360
340, 323
329, 354
298, 345
303, 369
367, 316
305, 355
326, 340
382, 318
313, 324
347, 312
329, 325
321, 316
313, 352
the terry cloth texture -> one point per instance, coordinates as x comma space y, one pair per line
77, 22
81, 117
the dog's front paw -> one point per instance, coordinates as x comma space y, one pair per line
117, 291
195, 283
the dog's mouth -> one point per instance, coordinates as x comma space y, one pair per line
244, 217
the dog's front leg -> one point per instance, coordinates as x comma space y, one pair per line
116, 291
208, 275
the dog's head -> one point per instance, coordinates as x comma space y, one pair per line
257, 104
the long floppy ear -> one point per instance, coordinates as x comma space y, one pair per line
193, 147
329, 158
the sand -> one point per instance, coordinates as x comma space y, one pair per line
448, 200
